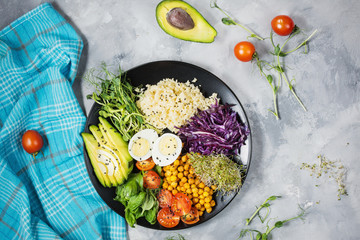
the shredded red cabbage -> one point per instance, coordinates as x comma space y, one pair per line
216, 130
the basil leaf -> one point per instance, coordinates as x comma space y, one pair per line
130, 217
136, 201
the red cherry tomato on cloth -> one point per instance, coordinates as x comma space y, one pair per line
164, 198
282, 25
244, 51
151, 180
167, 219
180, 204
32, 142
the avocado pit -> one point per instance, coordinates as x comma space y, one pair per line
179, 18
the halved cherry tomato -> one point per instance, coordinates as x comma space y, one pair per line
167, 219
164, 198
180, 204
244, 51
32, 142
151, 180
191, 217
282, 25
145, 165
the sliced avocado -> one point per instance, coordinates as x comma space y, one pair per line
121, 170
181, 20
97, 134
116, 173
91, 145
114, 137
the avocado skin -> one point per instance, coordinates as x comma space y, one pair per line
202, 32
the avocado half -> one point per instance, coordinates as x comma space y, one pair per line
179, 19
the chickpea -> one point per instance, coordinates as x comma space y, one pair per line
186, 166
180, 175
174, 184
165, 185
201, 213
198, 206
195, 194
212, 203
201, 185
194, 190
195, 200
187, 185
200, 191
205, 194
176, 162
180, 169
201, 201
188, 191
173, 178
174, 191
186, 173
208, 210
207, 199
183, 179
197, 181
213, 187
207, 205
207, 189
170, 188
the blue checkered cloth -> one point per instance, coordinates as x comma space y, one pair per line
50, 197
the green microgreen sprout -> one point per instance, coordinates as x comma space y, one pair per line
230, 21
258, 235
333, 169
116, 96
266, 205
218, 170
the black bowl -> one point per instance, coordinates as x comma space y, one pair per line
151, 73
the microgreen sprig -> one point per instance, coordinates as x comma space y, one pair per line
115, 95
266, 205
230, 21
266, 234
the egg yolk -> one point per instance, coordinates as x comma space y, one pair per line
168, 145
140, 147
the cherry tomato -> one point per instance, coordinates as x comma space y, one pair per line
244, 51
151, 180
282, 25
32, 142
191, 217
180, 204
164, 198
145, 165
167, 219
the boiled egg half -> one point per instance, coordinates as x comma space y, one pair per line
166, 149
141, 144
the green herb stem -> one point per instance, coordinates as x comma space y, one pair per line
301, 44
231, 21
289, 84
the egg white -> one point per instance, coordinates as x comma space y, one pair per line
150, 135
164, 160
